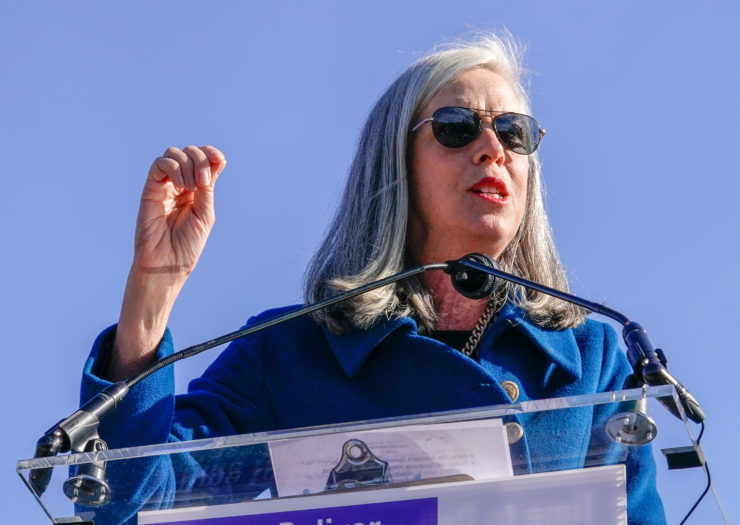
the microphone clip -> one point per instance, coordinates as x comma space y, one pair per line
79, 433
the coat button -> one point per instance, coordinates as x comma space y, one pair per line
514, 432
511, 388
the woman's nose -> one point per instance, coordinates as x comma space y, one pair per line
488, 147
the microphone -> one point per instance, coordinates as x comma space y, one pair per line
471, 283
79, 433
648, 363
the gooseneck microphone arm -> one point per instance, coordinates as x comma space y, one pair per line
648, 363
196, 349
76, 432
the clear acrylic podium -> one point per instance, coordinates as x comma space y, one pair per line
232, 476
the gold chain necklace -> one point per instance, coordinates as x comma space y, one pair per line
471, 345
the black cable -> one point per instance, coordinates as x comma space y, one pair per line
709, 480
701, 433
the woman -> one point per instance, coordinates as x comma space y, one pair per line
446, 165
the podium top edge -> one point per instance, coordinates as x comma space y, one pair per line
485, 412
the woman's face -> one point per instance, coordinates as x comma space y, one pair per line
471, 198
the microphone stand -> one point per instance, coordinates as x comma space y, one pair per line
648, 363
79, 432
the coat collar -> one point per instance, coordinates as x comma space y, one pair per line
559, 346
353, 348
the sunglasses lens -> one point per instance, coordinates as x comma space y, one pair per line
455, 127
519, 133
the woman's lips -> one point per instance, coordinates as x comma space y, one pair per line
491, 189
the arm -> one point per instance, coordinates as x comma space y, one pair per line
176, 215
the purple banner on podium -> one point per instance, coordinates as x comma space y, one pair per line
407, 512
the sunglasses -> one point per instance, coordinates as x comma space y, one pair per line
455, 127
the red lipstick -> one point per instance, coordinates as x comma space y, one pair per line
492, 189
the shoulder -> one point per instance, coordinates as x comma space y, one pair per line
589, 337
602, 354
278, 328
596, 335
279, 324
589, 351
251, 352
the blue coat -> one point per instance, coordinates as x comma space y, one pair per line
298, 374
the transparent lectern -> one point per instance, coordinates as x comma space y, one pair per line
236, 480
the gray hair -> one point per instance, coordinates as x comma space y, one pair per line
366, 241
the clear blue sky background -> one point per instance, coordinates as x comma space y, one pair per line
640, 100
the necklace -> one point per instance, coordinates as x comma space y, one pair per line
471, 345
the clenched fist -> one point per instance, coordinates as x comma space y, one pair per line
176, 212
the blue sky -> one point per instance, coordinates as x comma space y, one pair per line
640, 101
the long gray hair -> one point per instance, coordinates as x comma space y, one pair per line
367, 238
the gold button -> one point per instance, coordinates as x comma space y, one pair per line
511, 389
514, 432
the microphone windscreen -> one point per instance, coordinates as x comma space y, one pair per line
472, 283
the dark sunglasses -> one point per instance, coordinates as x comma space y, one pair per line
455, 127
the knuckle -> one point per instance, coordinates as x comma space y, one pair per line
211, 150
213, 154
171, 164
192, 150
162, 163
186, 160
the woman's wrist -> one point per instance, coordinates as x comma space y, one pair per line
147, 303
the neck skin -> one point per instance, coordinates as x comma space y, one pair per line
454, 311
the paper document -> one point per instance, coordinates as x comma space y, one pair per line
476, 448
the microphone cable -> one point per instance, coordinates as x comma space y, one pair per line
709, 480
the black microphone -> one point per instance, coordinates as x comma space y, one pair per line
648, 363
79, 433
471, 283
